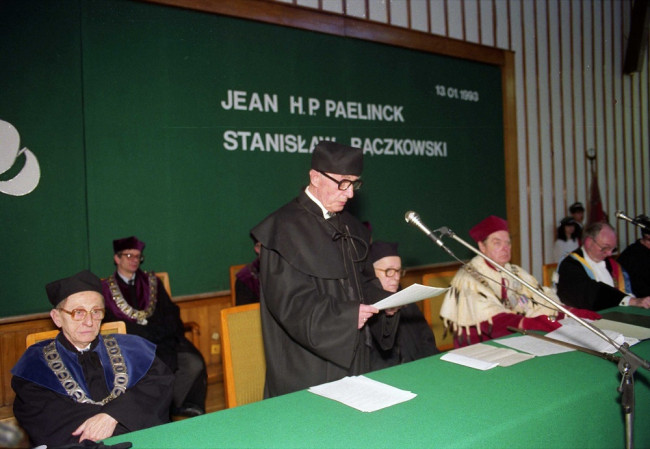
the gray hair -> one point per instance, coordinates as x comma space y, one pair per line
593, 229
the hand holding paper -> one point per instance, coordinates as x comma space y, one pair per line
413, 293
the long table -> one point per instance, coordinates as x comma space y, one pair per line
565, 400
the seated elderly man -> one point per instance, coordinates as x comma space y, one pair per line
483, 302
84, 386
590, 278
415, 338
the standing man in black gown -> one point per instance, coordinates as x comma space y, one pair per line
317, 282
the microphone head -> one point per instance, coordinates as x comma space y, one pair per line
411, 216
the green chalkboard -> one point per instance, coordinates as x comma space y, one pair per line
186, 129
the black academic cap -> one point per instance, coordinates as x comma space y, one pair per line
83, 281
332, 157
379, 250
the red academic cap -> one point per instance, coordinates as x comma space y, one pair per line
486, 227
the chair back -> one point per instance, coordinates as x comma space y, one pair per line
164, 278
191, 329
547, 274
244, 365
431, 307
234, 269
112, 327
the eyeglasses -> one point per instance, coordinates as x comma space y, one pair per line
344, 184
80, 314
390, 272
605, 249
132, 256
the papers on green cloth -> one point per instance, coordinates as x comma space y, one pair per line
629, 330
412, 293
570, 332
483, 357
362, 393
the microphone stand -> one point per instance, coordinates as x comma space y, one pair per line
627, 365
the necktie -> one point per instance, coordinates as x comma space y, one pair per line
504, 290
132, 290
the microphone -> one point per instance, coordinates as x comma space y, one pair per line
621, 215
414, 219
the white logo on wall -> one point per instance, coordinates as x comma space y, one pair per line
26, 180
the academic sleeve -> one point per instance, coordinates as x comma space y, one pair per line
146, 404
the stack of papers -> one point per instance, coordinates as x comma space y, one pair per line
362, 393
481, 356
570, 332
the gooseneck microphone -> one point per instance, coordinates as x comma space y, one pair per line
414, 219
621, 215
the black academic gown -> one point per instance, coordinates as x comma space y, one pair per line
164, 328
314, 274
49, 416
636, 261
415, 340
576, 289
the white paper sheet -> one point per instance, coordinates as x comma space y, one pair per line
412, 293
581, 336
468, 361
482, 356
362, 393
532, 345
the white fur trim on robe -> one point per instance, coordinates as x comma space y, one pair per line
470, 302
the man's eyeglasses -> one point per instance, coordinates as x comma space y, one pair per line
390, 272
605, 249
344, 184
80, 314
132, 256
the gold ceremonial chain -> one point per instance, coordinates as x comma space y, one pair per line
140, 316
70, 385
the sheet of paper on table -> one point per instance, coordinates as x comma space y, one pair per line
481, 356
629, 330
362, 393
412, 293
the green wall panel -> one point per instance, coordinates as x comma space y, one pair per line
129, 124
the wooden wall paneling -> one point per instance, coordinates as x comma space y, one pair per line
12, 337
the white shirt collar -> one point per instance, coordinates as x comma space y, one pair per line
125, 279
326, 213
599, 269
82, 349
